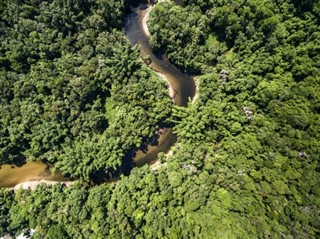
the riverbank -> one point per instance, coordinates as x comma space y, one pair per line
164, 77
31, 185
172, 91
196, 95
11, 175
144, 21
147, 32
156, 164
181, 88
170, 88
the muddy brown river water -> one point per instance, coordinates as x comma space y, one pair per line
183, 86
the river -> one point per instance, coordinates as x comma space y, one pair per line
11, 175
183, 87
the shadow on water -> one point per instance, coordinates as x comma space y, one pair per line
180, 3
19, 161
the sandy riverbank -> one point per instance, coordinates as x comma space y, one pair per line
196, 94
170, 88
31, 185
11, 175
156, 164
24, 180
163, 76
144, 21
147, 32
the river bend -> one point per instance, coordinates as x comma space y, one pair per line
182, 86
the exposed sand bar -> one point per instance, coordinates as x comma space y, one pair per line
31, 185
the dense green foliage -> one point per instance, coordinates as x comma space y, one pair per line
73, 91
247, 160
258, 112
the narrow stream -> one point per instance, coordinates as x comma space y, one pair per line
183, 86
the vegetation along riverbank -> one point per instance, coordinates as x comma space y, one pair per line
78, 90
